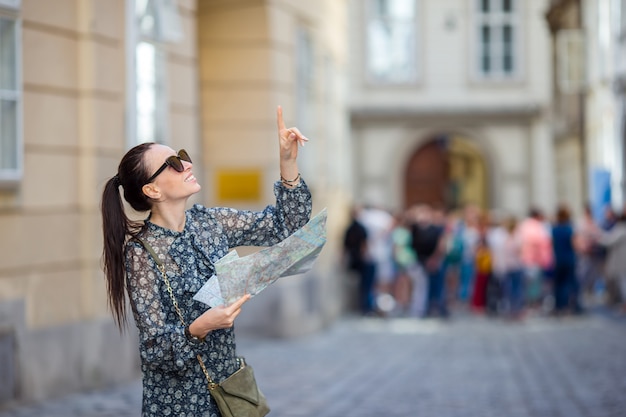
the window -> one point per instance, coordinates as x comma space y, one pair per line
391, 41
497, 39
151, 101
10, 93
305, 94
155, 23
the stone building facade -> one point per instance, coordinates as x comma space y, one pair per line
589, 109
460, 87
604, 25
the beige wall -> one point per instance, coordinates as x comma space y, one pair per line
52, 292
244, 74
73, 81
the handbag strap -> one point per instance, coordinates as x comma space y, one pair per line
161, 266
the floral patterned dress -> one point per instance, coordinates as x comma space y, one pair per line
173, 383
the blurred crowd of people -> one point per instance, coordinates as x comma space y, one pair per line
423, 261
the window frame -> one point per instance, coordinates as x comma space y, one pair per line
305, 90
416, 70
160, 114
493, 19
10, 177
159, 40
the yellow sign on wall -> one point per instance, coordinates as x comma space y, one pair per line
233, 184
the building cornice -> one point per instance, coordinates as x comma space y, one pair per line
471, 112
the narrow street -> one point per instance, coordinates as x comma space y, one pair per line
464, 367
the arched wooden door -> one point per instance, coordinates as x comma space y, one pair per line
447, 172
427, 175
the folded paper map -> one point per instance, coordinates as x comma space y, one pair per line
236, 276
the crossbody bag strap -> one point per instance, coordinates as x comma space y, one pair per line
161, 267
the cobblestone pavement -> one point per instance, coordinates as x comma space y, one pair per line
465, 367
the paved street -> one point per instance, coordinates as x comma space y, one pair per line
465, 367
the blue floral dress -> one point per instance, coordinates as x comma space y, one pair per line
173, 383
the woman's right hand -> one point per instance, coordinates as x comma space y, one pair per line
288, 139
220, 317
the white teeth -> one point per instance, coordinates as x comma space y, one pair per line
190, 178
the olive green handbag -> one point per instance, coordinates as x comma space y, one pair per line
236, 396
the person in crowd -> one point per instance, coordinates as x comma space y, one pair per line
378, 223
427, 242
565, 283
589, 253
609, 218
358, 260
615, 268
156, 179
355, 241
537, 256
496, 240
470, 237
411, 281
454, 247
483, 269
513, 270
607, 290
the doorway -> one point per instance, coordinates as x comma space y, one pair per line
449, 172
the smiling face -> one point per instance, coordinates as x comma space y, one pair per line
169, 184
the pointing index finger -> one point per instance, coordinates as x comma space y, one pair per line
279, 118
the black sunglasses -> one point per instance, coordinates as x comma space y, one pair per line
174, 161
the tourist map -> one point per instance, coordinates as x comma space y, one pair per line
236, 276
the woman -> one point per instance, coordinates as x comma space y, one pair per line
483, 265
589, 253
565, 281
410, 285
513, 270
156, 179
537, 256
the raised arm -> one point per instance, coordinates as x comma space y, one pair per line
288, 140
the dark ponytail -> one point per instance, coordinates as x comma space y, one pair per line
117, 227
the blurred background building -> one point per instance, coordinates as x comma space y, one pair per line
501, 103
604, 94
588, 106
450, 104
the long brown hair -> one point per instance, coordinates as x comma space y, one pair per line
132, 175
